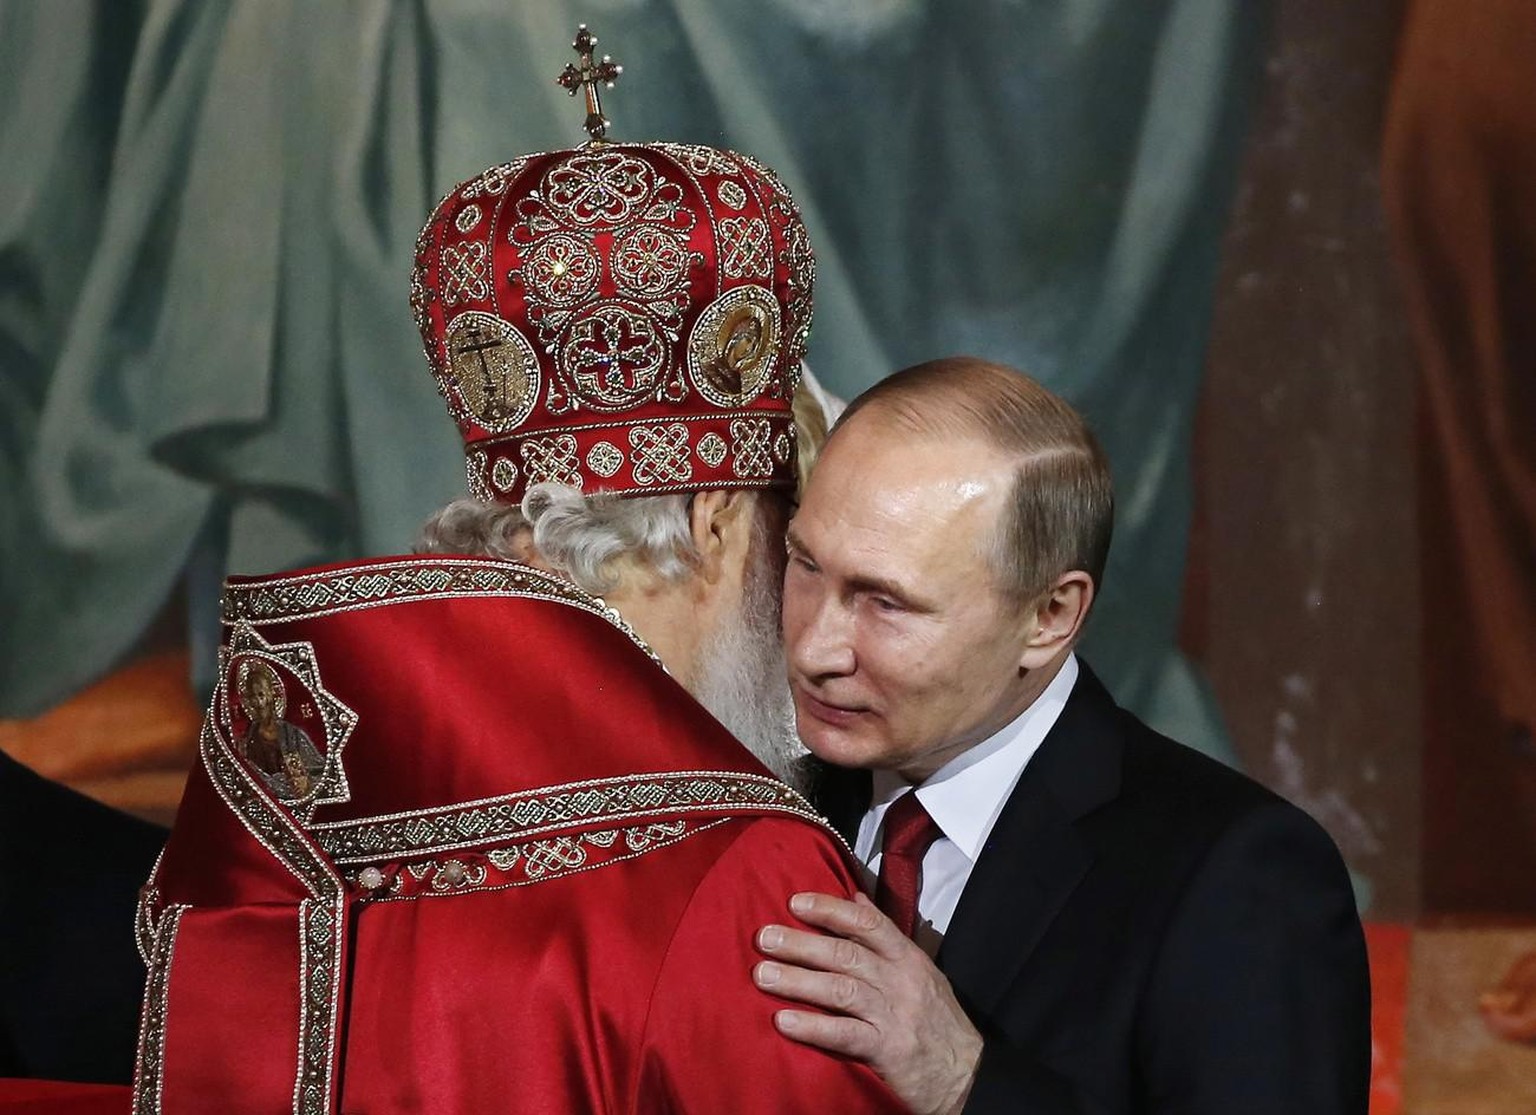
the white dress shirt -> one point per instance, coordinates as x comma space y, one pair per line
964, 797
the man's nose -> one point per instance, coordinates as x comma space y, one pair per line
823, 645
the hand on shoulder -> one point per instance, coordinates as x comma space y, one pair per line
885, 1002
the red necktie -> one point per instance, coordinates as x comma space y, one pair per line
908, 833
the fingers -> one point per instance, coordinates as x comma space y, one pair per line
836, 1034
858, 920
813, 950
834, 991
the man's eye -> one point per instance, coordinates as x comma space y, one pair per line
887, 604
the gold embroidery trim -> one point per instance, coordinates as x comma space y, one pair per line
525, 864
145, 915
271, 827
321, 927
547, 810
149, 1071
322, 920
781, 417
328, 592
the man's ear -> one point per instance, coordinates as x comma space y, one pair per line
1056, 618
720, 521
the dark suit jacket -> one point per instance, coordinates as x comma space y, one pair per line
1148, 931
71, 980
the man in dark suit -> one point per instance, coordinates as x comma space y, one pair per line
1119, 923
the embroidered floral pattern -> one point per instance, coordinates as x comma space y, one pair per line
750, 445
660, 454
520, 865
562, 269
551, 460
466, 272
603, 188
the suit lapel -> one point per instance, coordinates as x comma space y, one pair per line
1034, 856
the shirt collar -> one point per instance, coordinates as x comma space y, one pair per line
966, 794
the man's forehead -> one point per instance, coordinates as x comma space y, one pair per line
879, 518
902, 472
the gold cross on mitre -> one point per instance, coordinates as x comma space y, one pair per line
586, 76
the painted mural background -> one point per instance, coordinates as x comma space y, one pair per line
1282, 255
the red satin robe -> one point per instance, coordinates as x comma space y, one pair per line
527, 878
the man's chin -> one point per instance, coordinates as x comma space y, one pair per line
834, 744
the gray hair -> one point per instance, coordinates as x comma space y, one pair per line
587, 538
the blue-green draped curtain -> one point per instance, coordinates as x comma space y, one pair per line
208, 208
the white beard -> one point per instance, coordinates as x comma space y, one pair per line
743, 676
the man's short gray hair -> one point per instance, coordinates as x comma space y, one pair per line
587, 538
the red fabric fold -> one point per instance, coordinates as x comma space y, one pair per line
49, 1097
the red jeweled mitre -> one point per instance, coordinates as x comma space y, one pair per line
620, 317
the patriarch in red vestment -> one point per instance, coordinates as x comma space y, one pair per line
470, 830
